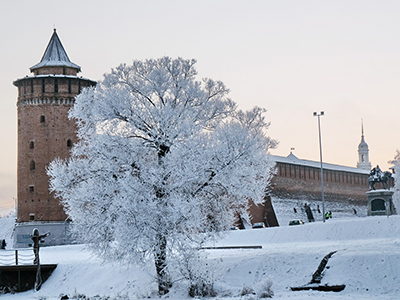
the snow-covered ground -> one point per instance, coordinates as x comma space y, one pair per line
367, 261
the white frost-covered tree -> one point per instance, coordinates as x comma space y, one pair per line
163, 162
396, 195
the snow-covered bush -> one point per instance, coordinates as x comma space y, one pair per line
261, 290
84, 297
198, 272
264, 289
161, 158
246, 290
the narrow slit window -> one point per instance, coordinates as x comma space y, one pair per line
32, 165
69, 143
42, 119
31, 144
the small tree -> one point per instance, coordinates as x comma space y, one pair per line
161, 158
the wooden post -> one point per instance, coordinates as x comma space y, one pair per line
19, 281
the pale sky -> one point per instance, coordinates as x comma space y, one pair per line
290, 57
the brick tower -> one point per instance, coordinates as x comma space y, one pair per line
44, 130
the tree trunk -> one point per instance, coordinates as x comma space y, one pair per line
160, 257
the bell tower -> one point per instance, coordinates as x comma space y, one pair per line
363, 152
44, 130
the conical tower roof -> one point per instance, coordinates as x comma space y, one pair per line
55, 55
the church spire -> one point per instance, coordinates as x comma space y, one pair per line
363, 152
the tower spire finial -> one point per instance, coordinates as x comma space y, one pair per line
362, 128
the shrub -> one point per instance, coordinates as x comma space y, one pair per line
247, 291
264, 289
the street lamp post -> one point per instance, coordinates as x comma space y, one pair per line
322, 170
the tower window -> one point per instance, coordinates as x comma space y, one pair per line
69, 86
43, 86
31, 189
56, 85
32, 86
31, 144
42, 119
69, 143
32, 165
31, 217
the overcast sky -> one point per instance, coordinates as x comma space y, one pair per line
290, 57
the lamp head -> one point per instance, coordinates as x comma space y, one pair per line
316, 114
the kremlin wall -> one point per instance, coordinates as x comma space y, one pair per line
297, 178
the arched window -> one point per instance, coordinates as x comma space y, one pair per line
32, 165
69, 143
31, 144
42, 119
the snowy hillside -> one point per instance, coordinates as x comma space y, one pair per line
6, 230
367, 261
